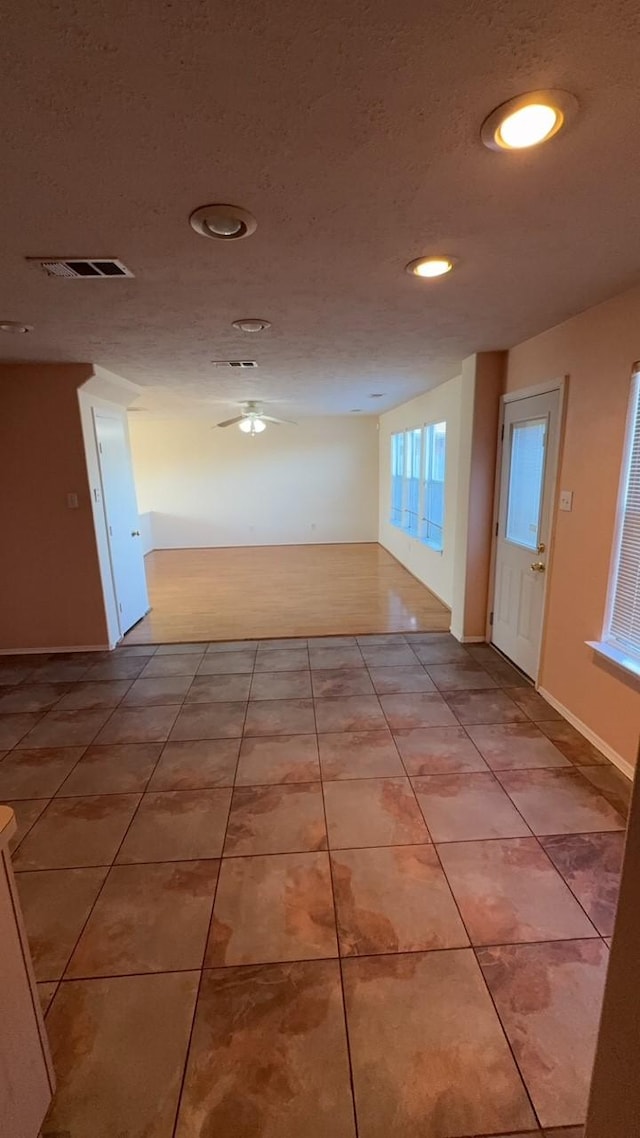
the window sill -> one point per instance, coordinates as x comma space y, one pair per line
416, 537
627, 663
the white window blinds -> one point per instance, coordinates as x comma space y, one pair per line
624, 623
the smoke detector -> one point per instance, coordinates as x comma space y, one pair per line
223, 222
82, 268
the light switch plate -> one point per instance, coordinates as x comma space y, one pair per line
566, 500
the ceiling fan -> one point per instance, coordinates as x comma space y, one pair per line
252, 420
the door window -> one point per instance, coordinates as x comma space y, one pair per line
526, 482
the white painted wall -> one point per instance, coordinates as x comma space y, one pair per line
441, 404
315, 482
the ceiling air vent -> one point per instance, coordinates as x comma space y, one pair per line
234, 363
82, 268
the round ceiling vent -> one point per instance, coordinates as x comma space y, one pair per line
223, 222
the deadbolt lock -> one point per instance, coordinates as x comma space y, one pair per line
541, 547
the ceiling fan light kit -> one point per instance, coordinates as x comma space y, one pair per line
252, 420
252, 425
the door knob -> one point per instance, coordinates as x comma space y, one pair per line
136, 533
538, 566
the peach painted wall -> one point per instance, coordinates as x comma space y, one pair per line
596, 350
50, 588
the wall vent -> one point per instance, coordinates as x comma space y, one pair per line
234, 363
82, 268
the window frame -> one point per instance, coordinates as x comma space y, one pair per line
428, 450
393, 474
610, 646
415, 529
410, 476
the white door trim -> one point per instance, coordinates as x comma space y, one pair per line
115, 415
560, 385
106, 413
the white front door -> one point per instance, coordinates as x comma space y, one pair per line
530, 437
121, 514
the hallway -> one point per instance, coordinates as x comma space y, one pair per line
291, 888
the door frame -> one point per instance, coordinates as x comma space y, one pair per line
106, 413
561, 385
100, 410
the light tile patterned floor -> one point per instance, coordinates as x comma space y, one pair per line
273, 888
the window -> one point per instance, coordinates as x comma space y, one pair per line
397, 479
623, 625
412, 488
526, 482
433, 491
417, 482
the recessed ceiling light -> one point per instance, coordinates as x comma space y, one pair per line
430, 266
15, 327
528, 120
223, 222
255, 325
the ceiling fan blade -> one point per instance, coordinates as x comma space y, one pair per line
271, 419
230, 422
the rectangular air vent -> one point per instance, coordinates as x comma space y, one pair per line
234, 363
82, 268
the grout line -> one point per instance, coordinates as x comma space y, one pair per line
244, 965
493, 1002
106, 877
206, 946
340, 968
473, 948
286, 853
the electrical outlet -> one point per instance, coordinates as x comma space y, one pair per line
72, 501
566, 500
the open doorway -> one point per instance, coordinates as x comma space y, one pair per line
121, 517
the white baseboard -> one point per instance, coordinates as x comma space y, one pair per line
623, 765
471, 639
57, 651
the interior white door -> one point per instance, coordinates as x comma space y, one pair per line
121, 514
530, 437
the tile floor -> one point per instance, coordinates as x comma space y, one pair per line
324, 888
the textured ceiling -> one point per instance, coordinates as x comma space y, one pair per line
350, 128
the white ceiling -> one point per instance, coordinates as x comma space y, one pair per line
350, 128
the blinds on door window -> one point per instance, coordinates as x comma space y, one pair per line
624, 623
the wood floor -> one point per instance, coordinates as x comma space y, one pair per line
281, 591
